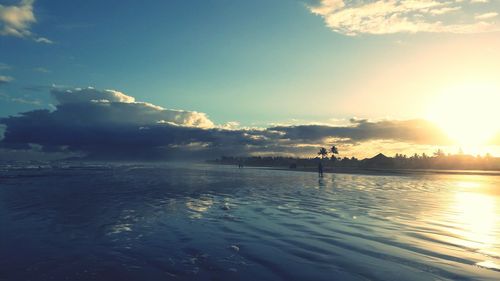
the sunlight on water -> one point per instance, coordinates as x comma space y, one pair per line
199, 206
489, 264
468, 184
476, 216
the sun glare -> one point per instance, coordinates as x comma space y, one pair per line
476, 219
467, 113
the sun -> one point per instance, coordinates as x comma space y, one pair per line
468, 113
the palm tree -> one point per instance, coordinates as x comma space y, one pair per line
323, 153
439, 153
334, 151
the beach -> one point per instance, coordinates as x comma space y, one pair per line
206, 222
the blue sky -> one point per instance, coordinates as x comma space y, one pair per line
249, 61
256, 62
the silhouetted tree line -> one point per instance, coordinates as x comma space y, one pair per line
439, 160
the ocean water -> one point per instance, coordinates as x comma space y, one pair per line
204, 222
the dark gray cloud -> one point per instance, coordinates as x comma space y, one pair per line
416, 131
111, 125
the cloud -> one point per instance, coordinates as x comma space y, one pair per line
116, 107
41, 70
445, 10
411, 131
486, 16
109, 124
16, 20
43, 40
5, 79
86, 95
398, 16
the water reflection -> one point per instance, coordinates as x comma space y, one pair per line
198, 206
321, 182
475, 214
468, 184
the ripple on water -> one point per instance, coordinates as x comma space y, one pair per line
218, 223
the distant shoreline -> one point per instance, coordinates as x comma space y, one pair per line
381, 171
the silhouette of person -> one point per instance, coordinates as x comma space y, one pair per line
320, 169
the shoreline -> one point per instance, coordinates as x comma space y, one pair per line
380, 171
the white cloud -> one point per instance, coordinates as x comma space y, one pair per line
16, 20
5, 79
85, 95
118, 107
231, 125
442, 11
43, 40
486, 16
327, 6
398, 16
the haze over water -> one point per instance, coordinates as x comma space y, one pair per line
203, 222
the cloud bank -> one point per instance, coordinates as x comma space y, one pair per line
354, 17
108, 124
411, 131
16, 20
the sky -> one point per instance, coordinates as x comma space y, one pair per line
398, 76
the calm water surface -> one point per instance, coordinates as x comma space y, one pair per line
174, 222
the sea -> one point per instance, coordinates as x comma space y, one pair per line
185, 221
